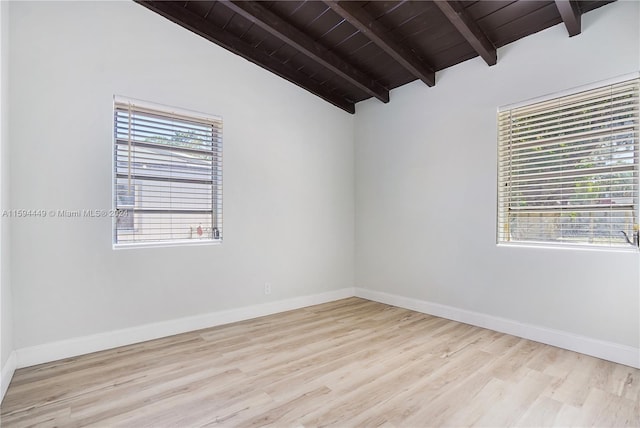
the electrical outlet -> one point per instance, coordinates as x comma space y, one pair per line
267, 288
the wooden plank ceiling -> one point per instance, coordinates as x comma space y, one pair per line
348, 51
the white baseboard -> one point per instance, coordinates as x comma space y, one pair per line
30, 356
7, 373
617, 353
98, 342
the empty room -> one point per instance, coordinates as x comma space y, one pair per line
320, 213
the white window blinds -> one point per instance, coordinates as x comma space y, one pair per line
167, 175
568, 168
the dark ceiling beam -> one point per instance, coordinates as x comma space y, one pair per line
281, 29
571, 15
353, 13
469, 29
201, 26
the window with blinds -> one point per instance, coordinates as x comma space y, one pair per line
167, 175
568, 169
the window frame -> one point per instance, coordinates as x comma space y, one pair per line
502, 212
216, 167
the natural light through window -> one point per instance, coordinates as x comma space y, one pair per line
167, 175
568, 168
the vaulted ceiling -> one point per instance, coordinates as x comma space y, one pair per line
349, 51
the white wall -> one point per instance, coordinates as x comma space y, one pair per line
426, 190
6, 316
288, 175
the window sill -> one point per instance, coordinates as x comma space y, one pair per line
165, 244
571, 247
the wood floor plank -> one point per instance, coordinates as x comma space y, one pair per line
347, 363
542, 413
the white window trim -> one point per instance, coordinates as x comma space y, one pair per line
548, 245
180, 112
188, 114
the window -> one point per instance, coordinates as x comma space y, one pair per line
568, 168
167, 175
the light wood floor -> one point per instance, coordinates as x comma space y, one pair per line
348, 363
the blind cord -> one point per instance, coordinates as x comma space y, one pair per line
129, 155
